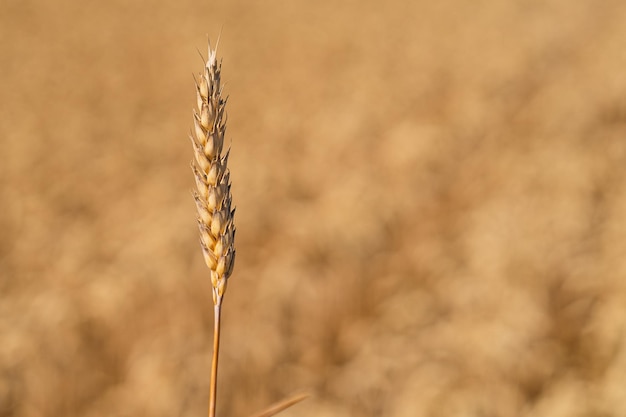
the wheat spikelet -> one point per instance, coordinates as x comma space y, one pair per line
213, 198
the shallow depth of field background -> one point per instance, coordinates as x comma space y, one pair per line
431, 208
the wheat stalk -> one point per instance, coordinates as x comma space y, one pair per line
214, 203
212, 196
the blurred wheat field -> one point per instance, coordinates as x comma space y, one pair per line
430, 208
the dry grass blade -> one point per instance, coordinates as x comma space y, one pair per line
281, 405
212, 195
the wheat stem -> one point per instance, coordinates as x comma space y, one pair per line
216, 349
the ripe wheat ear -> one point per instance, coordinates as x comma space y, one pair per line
212, 195
214, 203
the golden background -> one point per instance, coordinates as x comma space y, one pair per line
431, 208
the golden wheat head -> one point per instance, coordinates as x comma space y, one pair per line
214, 203
212, 196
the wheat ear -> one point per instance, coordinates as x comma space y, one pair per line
212, 196
214, 203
